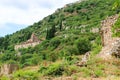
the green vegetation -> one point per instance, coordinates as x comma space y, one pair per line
116, 4
54, 69
95, 68
66, 35
23, 75
116, 28
85, 15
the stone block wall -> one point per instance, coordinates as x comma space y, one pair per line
32, 42
26, 45
7, 69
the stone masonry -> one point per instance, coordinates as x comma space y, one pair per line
7, 69
32, 42
110, 45
84, 60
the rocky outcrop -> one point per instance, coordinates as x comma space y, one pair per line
84, 60
7, 69
110, 45
116, 49
94, 30
32, 42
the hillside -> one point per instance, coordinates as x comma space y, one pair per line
65, 37
87, 13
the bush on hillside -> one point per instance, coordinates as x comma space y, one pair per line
83, 45
8, 56
25, 75
55, 69
51, 32
54, 43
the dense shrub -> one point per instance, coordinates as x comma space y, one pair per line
54, 43
52, 56
55, 69
8, 56
24, 58
51, 32
58, 69
83, 45
72, 50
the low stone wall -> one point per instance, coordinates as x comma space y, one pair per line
7, 69
26, 45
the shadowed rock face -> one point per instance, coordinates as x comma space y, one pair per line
7, 69
32, 42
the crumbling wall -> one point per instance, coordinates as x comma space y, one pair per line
26, 45
32, 42
111, 45
7, 69
106, 32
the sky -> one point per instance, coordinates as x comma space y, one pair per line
18, 14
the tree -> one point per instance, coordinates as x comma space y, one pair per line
60, 24
51, 32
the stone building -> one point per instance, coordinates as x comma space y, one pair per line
32, 42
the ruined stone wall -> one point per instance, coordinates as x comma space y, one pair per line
32, 42
106, 33
26, 45
111, 45
7, 69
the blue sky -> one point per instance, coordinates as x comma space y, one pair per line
18, 14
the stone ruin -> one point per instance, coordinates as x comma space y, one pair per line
110, 45
84, 60
32, 42
106, 32
116, 50
7, 69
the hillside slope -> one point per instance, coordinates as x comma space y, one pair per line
65, 37
72, 17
